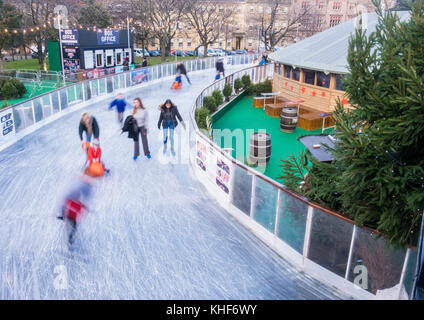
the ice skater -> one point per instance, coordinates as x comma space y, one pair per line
75, 206
89, 125
177, 82
141, 117
168, 120
120, 104
181, 69
220, 67
95, 167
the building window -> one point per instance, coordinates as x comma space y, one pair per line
339, 82
252, 9
323, 80
250, 28
188, 42
304, 5
337, 5
99, 58
287, 71
250, 42
118, 56
172, 43
321, 5
309, 76
180, 43
239, 9
335, 20
238, 26
285, 10
268, 10
296, 74
180, 25
261, 9
221, 9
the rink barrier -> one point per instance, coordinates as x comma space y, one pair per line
18, 120
320, 242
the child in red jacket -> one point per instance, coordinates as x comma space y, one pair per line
94, 166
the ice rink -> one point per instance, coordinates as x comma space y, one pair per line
152, 232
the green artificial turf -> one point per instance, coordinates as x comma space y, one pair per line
243, 115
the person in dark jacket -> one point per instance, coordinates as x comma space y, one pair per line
220, 67
182, 70
168, 120
89, 125
120, 104
126, 63
144, 64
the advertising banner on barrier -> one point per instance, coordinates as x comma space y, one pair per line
215, 167
139, 75
7, 125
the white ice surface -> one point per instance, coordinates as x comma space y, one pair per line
152, 231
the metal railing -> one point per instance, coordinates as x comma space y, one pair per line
323, 242
19, 117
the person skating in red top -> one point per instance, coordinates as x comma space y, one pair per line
94, 166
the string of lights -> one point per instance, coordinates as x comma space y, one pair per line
35, 29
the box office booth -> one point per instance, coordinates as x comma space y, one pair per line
96, 52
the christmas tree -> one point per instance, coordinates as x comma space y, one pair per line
377, 178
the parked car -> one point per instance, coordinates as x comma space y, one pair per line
252, 51
34, 55
241, 51
178, 53
155, 53
230, 52
219, 52
190, 53
139, 52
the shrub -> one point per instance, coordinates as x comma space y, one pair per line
263, 87
19, 85
246, 81
227, 91
200, 115
251, 89
238, 85
209, 103
8, 91
219, 98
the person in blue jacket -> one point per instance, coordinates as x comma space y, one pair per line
120, 104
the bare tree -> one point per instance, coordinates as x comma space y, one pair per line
276, 24
163, 17
39, 13
208, 18
143, 29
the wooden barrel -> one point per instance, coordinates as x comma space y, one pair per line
260, 148
288, 119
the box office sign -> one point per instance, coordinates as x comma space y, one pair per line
7, 125
69, 36
107, 36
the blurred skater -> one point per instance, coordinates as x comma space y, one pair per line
177, 82
220, 67
120, 104
168, 120
141, 117
89, 125
182, 70
75, 205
